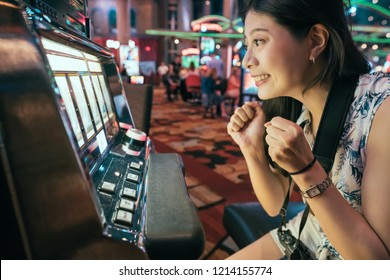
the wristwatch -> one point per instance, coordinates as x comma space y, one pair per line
315, 190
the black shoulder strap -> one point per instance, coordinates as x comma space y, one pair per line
332, 121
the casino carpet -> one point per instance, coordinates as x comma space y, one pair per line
215, 171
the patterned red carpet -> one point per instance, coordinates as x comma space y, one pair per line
216, 173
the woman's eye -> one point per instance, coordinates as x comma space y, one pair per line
258, 42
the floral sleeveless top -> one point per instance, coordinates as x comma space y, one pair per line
350, 159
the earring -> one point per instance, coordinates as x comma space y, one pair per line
313, 60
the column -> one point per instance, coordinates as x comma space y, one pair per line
229, 11
207, 8
172, 25
123, 21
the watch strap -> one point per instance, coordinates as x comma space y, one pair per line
318, 189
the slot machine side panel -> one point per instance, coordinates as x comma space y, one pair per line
73, 188
52, 198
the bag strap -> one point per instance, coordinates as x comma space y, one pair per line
283, 210
330, 129
332, 121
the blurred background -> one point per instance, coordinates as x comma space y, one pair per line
143, 33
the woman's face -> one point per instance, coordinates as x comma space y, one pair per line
277, 61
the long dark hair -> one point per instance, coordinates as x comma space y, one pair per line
343, 58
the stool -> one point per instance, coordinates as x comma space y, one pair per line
247, 222
193, 83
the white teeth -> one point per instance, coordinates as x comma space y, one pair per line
261, 77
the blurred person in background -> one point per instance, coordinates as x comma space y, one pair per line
162, 70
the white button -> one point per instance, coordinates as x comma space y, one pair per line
129, 192
108, 187
133, 177
127, 204
124, 217
135, 165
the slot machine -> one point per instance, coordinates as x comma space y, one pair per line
78, 179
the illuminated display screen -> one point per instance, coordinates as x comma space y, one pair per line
106, 96
186, 60
69, 106
85, 97
74, 23
82, 105
92, 102
78, 5
129, 57
99, 95
137, 80
207, 47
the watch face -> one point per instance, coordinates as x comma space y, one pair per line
313, 192
318, 189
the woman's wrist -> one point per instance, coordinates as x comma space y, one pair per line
250, 151
304, 169
311, 177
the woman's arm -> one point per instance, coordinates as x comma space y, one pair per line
376, 179
246, 127
270, 187
353, 235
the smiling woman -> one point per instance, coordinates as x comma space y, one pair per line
299, 52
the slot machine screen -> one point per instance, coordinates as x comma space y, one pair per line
85, 97
186, 60
69, 106
207, 47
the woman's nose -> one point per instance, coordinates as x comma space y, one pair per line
249, 60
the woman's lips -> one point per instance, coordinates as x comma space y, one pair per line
260, 79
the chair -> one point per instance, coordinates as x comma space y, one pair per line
193, 88
245, 222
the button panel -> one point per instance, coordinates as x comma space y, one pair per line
120, 185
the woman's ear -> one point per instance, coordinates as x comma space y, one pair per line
319, 37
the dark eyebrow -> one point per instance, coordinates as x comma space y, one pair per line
257, 29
